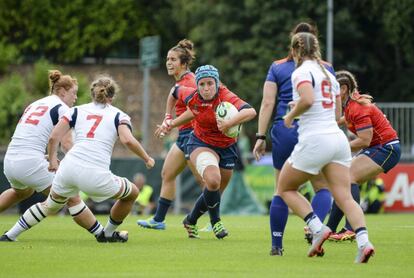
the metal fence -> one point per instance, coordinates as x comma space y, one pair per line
401, 116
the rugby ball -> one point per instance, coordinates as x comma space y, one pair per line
225, 111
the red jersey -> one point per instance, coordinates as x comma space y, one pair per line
205, 124
359, 117
187, 80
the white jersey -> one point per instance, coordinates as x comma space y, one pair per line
33, 130
96, 130
320, 117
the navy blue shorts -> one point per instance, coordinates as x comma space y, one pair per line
228, 156
386, 156
182, 139
283, 141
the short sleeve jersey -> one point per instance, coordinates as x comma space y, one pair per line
320, 117
280, 72
187, 80
36, 124
96, 130
359, 117
205, 124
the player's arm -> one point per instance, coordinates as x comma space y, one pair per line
362, 140
67, 142
265, 113
169, 108
266, 107
171, 101
305, 101
126, 138
246, 113
338, 109
184, 118
56, 136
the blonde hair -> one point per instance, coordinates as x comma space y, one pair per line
103, 88
348, 79
185, 50
306, 45
57, 81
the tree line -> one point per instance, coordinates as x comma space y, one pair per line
372, 38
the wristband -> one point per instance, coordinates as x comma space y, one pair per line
260, 136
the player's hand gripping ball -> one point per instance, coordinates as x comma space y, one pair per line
225, 111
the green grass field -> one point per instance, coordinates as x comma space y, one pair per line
59, 248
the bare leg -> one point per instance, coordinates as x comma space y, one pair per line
289, 181
12, 196
339, 183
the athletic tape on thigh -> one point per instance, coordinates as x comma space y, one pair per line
205, 159
53, 205
127, 188
77, 209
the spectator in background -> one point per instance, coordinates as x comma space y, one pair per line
373, 195
145, 198
376, 143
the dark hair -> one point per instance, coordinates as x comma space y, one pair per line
303, 27
348, 79
186, 53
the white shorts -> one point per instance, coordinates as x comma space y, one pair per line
74, 176
312, 153
28, 171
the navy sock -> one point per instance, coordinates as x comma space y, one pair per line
278, 218
321, 203
162, 209
212, 199
198, 210
335, 217
356, 196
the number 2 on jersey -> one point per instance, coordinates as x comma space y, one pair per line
97, 119
39, 112
327, 93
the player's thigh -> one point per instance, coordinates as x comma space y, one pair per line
291, 178
338, 178
319, 182
29, 173
225, 178
364, 168
174, 163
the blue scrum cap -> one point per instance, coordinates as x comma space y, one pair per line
207, 71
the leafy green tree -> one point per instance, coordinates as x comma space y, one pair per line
13, 100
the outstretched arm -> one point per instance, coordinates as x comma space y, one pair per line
126, 137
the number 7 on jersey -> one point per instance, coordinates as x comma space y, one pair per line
97, 119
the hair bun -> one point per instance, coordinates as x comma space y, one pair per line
54, 75
186, 44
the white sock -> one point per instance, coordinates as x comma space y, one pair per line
315, 224
362, 238
96, 228
31, 217
15, 231
111, 226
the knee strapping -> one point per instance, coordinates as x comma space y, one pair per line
53, 205
204, 160
127, 188
77, 209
